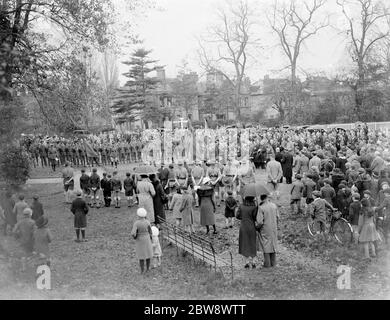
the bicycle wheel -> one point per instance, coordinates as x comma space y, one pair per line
314, 227
342, 231
381, 243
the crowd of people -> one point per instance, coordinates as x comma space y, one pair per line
347, 170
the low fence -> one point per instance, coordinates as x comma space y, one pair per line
198, 247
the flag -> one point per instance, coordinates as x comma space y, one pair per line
89, 150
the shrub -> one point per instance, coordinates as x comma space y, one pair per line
14, 166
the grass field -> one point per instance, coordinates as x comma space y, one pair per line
106, 268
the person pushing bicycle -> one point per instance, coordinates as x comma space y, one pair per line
318, 210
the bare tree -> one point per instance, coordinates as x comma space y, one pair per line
294, 24
232, 38
366, 29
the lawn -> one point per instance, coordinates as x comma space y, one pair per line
105, 267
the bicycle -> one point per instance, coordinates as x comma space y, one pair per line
381, 228
336, 225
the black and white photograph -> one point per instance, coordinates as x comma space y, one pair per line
197, 150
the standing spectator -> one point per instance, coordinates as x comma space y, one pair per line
129, 186
95, 188
142, 233
279, 158
287, 165
67, 175
159, 199
297, 194
53, 157
368, 234
186, 210
327, 192
146, 193
8, 207
354, 213
318, 211
19, 207
3, 224
274, 173
207, 205
42, 240
230, 207
175, 205
85, 184
106, 185
80, 210
116, 189
37, 208
247, 213
24, 231
267, 222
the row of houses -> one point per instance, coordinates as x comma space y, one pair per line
187, 97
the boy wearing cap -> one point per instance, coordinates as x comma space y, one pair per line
327, 191
318, 210
354, 213
20, 206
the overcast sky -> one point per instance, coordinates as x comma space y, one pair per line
171, 30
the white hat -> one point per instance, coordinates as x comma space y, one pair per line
141, 212
155, 231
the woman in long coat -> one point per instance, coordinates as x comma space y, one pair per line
247, 213
186, 210
142, 233
146, 193
207, 205
246, 176
158, 199
267, 220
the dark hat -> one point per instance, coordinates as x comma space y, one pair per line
42, 222
94, 170
342, 186
128, 174
109, 176
230, 193
82, 170
298, 176
35, 197
78, 193
104, 174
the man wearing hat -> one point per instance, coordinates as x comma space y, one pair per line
116, 189
80, 210
95, 188
318, 210
37, 208
229, 175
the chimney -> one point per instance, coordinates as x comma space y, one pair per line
160, 73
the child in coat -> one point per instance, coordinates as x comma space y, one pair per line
368, 234
230, 207
157, 252
175, 205
24, 231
